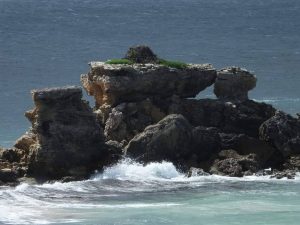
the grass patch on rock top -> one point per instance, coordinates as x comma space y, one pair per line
168, 63
172, 64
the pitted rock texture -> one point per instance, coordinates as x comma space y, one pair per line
230, 163
128, 119
65, 139
240, 117
283, 132
233, 83
115, 84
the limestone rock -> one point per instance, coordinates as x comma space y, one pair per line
128, 119
205, 142
283, 132
116, 84
240, 117
141, 54
267, 155
233, 83
8, 176
67, 139
292, 163
230, 163
167, 140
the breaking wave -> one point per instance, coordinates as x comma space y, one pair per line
127, 180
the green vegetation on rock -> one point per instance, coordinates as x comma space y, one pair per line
173, 64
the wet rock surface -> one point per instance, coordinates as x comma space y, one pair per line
230, 163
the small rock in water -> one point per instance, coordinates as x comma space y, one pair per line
282, 174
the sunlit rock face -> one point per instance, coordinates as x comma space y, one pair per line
114, 84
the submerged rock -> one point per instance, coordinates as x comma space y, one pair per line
65, 139
115, 84
233, 83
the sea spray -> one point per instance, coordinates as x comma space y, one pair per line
128, 169
131, 187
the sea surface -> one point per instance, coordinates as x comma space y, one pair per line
47, 43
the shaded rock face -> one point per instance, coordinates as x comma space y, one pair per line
283, 132
230, 163
128, 119
174, 139
233, 83
141, 54
292, 163
240, 117
65, 139
167, 140
12, 165
116, 84
267, 155
205, 142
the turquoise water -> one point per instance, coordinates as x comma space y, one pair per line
49, 43
132, 194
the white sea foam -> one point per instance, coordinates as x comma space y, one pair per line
276, 100
50, 203
130, 170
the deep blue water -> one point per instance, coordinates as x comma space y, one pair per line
46, 43
49, 43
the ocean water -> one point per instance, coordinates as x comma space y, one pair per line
132, 194
46, 43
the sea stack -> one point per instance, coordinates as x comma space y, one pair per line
145, 109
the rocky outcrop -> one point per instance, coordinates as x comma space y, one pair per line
233, 83
283, 132
65, 139
230, 163
169, 139
240, 117
144, 109
128, 119
141, 54
114, 84
267, 155
12, 165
